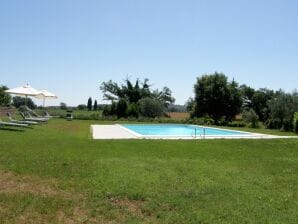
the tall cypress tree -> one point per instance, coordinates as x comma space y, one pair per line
95, 107
89, 104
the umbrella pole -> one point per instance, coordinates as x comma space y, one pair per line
44, 102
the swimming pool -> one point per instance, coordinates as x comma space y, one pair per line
179, 130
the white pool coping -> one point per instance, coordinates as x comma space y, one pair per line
110, 132
118, 131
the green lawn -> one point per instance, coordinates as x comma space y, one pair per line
55, 173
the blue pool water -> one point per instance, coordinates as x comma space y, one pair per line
179, 130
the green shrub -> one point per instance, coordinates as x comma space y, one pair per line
87, 116
151, 107
113, 108
109, 110
82, 107
251, 118
133, 110
296, 122
121, 109
199, 121
106, 111
236, 124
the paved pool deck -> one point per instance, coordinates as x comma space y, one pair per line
119, 132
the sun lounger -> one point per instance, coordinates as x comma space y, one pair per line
19, 121
36, 119
12, 124
47, 115
30, 112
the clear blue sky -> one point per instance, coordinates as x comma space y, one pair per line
70, 46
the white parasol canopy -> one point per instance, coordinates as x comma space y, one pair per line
44, 94
24, 91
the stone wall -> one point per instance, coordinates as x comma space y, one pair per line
4, 110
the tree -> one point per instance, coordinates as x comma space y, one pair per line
18, 101
63, 106
216, 97
89, 104
247, 94
151, 107
4, 97
234, 100
190, 104
260, 103
82, 107
132, 93
282, 109
121, 109
164, 96
95, 106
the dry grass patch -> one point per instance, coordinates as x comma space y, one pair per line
11, 183
70, 206
128, 208
133, 207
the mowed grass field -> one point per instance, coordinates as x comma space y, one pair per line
55, 173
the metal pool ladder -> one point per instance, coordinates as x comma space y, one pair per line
195, 133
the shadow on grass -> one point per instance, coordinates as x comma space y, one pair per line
12, 129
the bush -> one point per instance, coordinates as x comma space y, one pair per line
151, 107
82, 107
236, 124
251, 118
296, 126
199, 121
106, 111
133, 110
109, 110
121, 109
296, 122
18, 101
113, 108
88, 116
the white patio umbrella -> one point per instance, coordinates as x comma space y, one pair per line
24, 91
44, 94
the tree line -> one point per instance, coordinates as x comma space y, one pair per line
215, 97
222, 100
